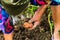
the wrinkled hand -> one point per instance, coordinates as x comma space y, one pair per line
30, 25
27, 25
34, 24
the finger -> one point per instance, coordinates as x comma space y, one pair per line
35, 25
34, 17
30, 21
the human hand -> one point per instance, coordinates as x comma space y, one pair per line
30, 26
27, 25
35, 24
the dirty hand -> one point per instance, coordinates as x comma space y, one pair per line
27, 25
30, 25
34, 24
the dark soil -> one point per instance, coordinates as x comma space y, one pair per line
42, 32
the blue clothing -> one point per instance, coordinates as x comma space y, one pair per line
33, 2
55, 2
38, 2
6, 24
4, 13
3, 17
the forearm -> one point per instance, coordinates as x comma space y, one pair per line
38, 14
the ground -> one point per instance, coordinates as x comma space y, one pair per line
42, 32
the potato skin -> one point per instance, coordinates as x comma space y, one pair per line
27, 25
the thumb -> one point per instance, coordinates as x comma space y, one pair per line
35, 25
30, 21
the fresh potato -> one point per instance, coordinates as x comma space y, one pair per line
27, 25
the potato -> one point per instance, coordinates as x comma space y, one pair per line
27, 25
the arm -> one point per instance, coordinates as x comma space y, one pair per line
37, 17
38, 14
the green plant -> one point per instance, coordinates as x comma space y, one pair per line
30, 11
50, 21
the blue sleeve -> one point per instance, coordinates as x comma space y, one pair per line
57, 1
33, 2
4, 13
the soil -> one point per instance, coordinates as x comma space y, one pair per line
41, 32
